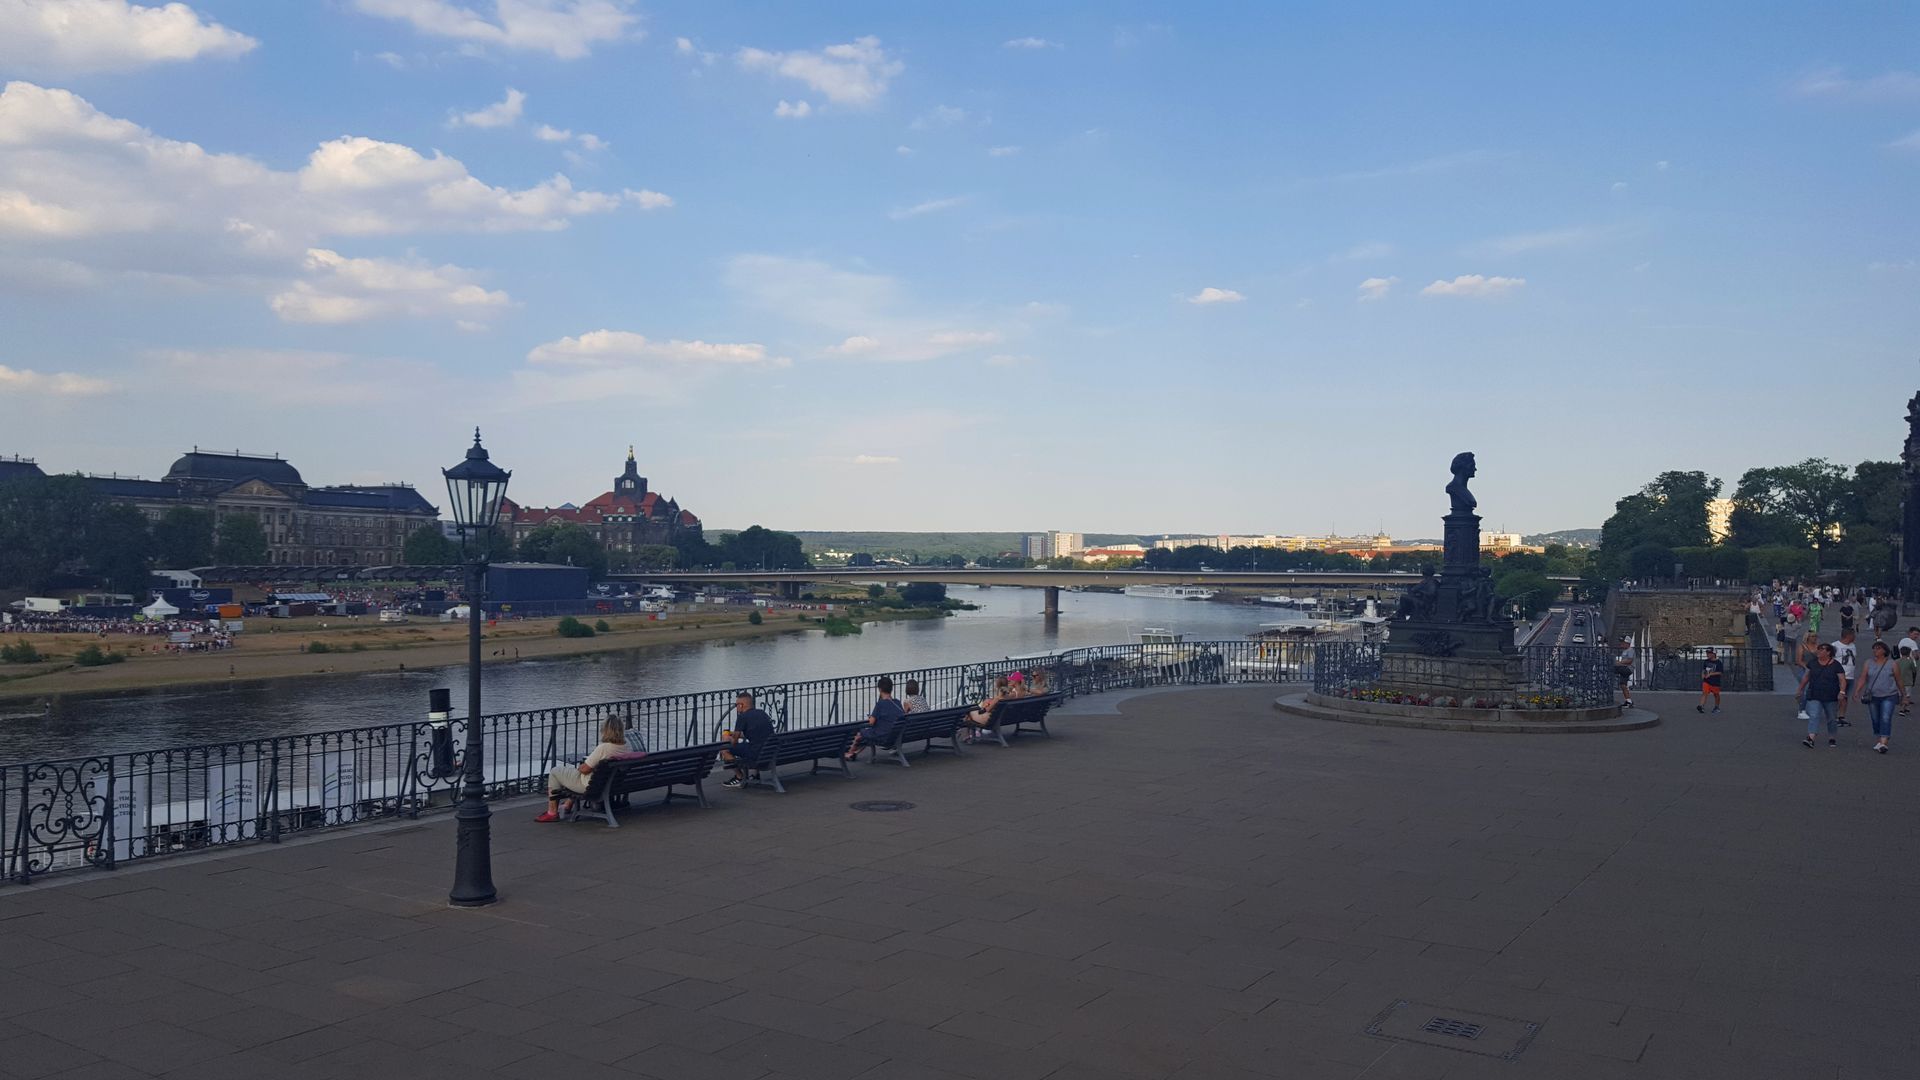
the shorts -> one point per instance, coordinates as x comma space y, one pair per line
1709, 687
1622, 672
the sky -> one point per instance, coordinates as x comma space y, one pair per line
1107, 267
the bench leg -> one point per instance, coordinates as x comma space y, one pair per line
773, 774
606, 811
900, 752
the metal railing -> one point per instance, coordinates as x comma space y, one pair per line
1581, 674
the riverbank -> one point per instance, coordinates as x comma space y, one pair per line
287, 648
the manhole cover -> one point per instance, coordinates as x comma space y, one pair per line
882, 806
1500, 1037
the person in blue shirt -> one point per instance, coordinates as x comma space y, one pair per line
886, 714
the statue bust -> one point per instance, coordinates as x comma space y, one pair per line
1463, 470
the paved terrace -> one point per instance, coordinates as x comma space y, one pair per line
1189, 887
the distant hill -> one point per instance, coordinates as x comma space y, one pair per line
1569, 537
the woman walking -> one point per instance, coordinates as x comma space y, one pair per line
1881, 689
1821, 688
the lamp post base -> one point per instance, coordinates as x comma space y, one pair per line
473, 867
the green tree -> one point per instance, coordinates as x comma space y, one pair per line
654, 557
119, 549
1529, 589
923, 593
1669, 512
183, 538
876, 591
563, 542
44, 529
758, 548
1813, 495
428, 546
242, 541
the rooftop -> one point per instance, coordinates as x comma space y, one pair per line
1180, 884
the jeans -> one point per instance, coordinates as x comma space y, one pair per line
1799, 696
1882, 709
1818, 711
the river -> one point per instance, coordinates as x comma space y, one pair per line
1008, 623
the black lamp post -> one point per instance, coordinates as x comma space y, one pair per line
475, 487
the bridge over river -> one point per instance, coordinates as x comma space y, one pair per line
791, 581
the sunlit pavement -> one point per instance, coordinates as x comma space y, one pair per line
1180, 883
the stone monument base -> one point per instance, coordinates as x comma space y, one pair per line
1493, 676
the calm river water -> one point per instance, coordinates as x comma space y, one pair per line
1007, 624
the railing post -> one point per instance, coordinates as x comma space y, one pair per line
273, 790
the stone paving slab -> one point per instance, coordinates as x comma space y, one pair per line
1181, 884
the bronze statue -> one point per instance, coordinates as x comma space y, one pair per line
1463, 470
1420, 598
1476, 599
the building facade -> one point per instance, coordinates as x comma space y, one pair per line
628, 517
346, 525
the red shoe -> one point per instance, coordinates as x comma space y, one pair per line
549, 816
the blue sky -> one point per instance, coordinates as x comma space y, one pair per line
1106, 267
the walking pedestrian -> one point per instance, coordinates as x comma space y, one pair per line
1623, 670
1809, 652
1907, 660
1710, 681
1824, 684
1881, 690
1847, 655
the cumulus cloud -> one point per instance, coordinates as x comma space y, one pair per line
57, 383
108, 35
1474, 285
1376, 287
855, 74
567, 29
1211, 295
793, 110
613, 348
683, 46
586, 139
869, 315
903, 150
499, 114
1002, 151
929, 207
857, 345
339, 289
1030, 43
1836, 83
875, 459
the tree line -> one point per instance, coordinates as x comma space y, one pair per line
1788, 521
566, 543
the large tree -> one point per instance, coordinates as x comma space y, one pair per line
242, 541
566, 543
1669, 512
44, 527
428, 546
758, 548
119, 549
183, 538
1813, 496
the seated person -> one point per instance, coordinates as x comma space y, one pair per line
914, 701
1017, 684
1038, 684
982, 713
752, 731
573, 778
886, 714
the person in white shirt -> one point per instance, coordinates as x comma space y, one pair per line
566, 780
1847, 654
1623, 669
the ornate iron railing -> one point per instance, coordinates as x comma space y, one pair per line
1345, 665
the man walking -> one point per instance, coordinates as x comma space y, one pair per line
1847, 655
1710, 682
1623, 670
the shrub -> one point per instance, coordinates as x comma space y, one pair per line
21, 653
600, 627
840, 627
318, 647
572, 627
876, 591
94, 656
359, 646
754, 618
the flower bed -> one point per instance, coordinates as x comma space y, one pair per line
1528, 701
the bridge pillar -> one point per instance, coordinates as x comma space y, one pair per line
790, 590
1052, 610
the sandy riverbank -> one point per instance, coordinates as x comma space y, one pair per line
270, 650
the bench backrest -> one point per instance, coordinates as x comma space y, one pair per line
684, 766
1023, 710
806, 744
933, 723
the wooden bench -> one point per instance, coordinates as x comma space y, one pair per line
1010, 717
609, 786
791, 747
922, 727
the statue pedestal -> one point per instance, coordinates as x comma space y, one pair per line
1493, 676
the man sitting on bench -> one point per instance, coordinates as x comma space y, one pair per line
881, 721
572, 779
752, 731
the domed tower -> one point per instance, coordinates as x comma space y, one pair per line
630, 484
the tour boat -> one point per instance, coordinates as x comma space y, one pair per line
1172, 592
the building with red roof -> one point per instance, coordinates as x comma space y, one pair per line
628, 517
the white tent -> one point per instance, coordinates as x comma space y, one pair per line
159, 609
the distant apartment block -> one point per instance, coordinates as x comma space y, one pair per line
1719, 519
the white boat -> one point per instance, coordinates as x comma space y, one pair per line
1290, 601
1172, 592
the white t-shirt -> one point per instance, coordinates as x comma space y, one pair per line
1847, 655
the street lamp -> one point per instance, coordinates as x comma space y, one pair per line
475, 487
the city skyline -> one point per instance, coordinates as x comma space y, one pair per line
876, 268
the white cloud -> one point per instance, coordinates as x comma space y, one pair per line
1367, 252
939, 116
338, 289
649, 200
855, 74
1660, 165
1375, 288
869, 314
1835, 83
567, 29
1545, 240
1030, 43
1619, 187
857, 345
928, 207
794, 110
1211, 295
549, 133
392, 59
499, 114
963, 339
903, 150
1907, 142
613, 348
875, 459
683, 46
108, 35
589, 141
1474, 285
1002, 151
59, 383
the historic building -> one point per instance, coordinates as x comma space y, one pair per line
628, 517
350, 525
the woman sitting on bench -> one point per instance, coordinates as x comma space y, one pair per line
572, 779
1037, 683
982, 713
